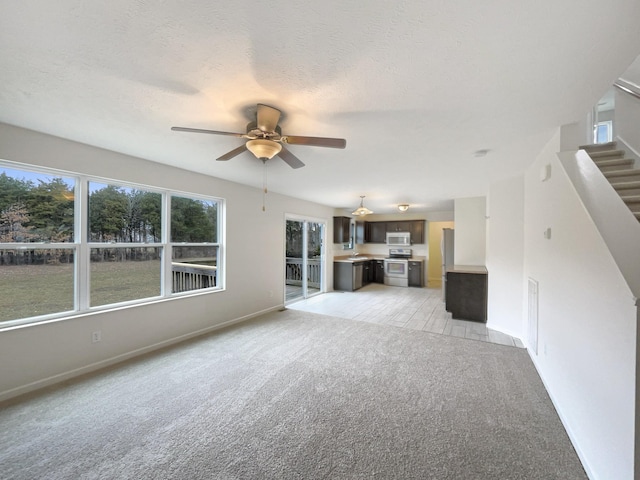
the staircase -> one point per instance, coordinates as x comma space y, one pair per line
620, 171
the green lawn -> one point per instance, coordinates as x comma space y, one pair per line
31, 290
113, 282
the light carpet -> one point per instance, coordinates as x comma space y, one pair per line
296, 395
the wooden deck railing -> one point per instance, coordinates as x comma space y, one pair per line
294, 272
187, 276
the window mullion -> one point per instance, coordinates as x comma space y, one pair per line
81, 229
167, 274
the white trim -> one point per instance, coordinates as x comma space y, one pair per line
323, 250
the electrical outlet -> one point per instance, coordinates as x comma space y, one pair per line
96, 336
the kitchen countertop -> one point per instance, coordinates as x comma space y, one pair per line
467, 269
364, 257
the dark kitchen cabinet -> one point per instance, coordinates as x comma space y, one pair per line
404, 226
417, 228
343, 276
466, 293
416, 275
341, 229
378, 271
350, 276
366, 272
377, 232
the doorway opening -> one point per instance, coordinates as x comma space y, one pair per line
435, 271
304, 258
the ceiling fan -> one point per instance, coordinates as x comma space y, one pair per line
265, 139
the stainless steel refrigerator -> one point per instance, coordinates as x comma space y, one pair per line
446, 249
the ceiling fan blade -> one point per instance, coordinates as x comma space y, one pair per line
214, 132
290, 158
233, 153
314, 141
267, 118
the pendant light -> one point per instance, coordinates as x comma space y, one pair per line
361, 210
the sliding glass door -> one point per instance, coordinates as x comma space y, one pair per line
304, 259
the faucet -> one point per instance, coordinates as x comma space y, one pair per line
354, 254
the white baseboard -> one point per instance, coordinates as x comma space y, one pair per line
61, 377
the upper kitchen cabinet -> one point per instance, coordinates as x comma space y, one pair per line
417, 231
377, 232
404, 226
341, 229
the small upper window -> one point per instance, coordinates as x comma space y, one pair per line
604, 132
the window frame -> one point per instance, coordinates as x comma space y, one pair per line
220, 263
82, 247
607, 125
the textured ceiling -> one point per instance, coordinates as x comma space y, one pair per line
415, 87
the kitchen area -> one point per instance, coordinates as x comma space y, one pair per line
396, 253
396, 264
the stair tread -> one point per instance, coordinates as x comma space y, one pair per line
607, 153
631, 172
598, 146
623, 185
614, 162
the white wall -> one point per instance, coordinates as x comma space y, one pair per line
471, 228
505, 256
627, 120
434, 270
627, 110
32, 356
587, 322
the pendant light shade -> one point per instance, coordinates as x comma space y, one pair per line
361, 210
263, 148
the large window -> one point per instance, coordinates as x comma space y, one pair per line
71, 244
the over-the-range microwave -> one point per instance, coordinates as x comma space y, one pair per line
398, 239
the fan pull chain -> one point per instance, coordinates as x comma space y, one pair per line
264, 184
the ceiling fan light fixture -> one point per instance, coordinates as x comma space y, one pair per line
263, 148
361, 210
403, 207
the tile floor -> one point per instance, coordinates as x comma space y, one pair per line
414, 308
